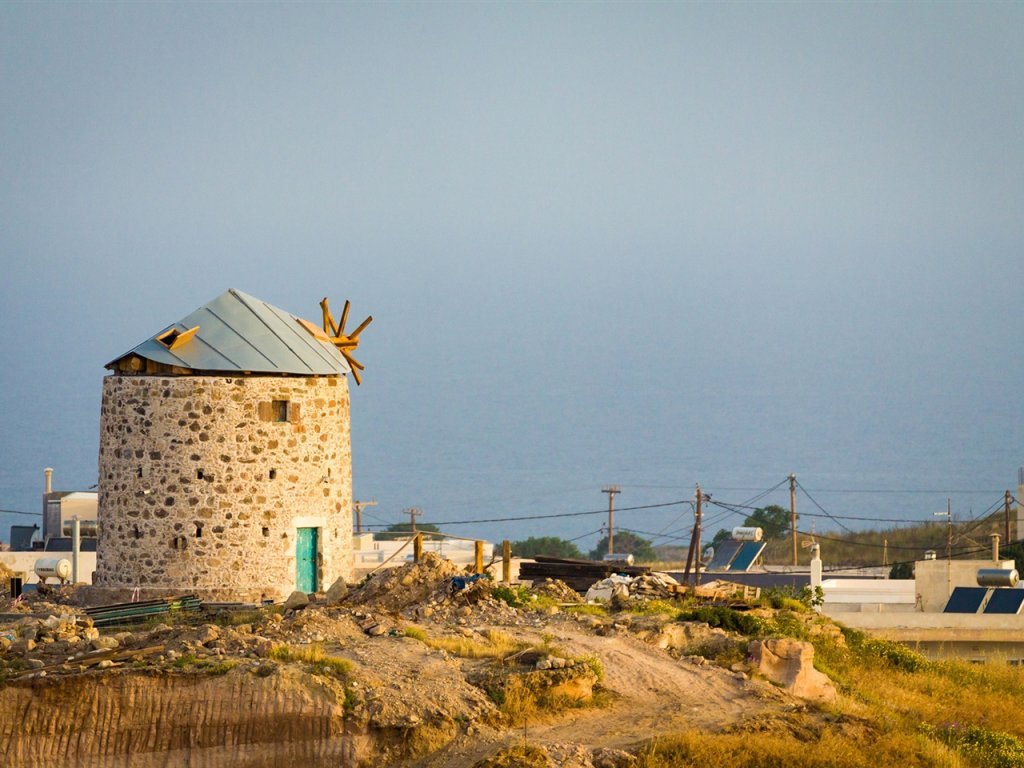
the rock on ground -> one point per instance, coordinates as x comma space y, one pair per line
791, 663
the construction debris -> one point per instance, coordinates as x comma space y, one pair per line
133, 613
578, 574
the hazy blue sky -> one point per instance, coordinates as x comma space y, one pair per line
646, 244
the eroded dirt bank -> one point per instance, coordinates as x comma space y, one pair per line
153, 720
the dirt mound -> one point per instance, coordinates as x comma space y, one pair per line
556, 589
398, 588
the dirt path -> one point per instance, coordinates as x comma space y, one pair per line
654, 694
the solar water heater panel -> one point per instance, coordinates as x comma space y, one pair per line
724, 555
965, 600
1008, 601
748, 553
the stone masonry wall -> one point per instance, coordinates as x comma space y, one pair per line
202, 486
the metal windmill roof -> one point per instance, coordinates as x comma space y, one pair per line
238, 333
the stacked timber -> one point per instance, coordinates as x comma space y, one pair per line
134, 613
581, 575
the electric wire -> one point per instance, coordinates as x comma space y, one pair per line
560, 514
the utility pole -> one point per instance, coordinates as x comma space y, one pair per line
694, 540
358, 506
792, 511
611, 490
949, 528
696, 537
413, 513
885, 553
1006, 504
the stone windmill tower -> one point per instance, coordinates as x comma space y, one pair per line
225, 459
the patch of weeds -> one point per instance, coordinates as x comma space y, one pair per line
722, 654
351, 699
211, 667
416, 633
980, 745
653, 607
497, 644
786, 623
725, 618
205, 666
515, 595
521, 698
587, 609
787, 597
595, 666
519, 596
185, 660
313, 655
894, 654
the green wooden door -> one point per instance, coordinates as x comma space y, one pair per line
305, 560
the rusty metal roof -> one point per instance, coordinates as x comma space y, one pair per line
238, 333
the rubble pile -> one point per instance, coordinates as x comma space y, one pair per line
556, 589
653, 586
646, 586
398, 588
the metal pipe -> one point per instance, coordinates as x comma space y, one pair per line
76, 541
995, 547
48, 473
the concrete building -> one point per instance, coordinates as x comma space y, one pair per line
225, 460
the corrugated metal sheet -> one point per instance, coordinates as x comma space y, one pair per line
239, 333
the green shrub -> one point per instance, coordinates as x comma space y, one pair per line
894, 654
726, 618
980, 745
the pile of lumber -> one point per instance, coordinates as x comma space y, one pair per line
581, 575
134, 613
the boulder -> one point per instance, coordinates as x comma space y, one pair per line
207, 634
104, 643
296, 601
337, 592
791, 664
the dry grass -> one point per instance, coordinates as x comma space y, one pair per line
313, 655
831, 750
497, 644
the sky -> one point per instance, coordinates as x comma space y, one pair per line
646, 244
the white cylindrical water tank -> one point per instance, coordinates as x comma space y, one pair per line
742, 533
53, 568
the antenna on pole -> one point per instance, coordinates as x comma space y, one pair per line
358, 506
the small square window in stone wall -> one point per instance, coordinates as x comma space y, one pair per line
279, 410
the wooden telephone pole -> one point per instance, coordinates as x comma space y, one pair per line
358, 506
693, 555
611, 490
413, 513
1006, 504
792, 512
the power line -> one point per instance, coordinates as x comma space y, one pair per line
561, 514
815, 503
18, 512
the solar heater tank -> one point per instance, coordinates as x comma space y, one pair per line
998, 577
743, 533
53, 568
